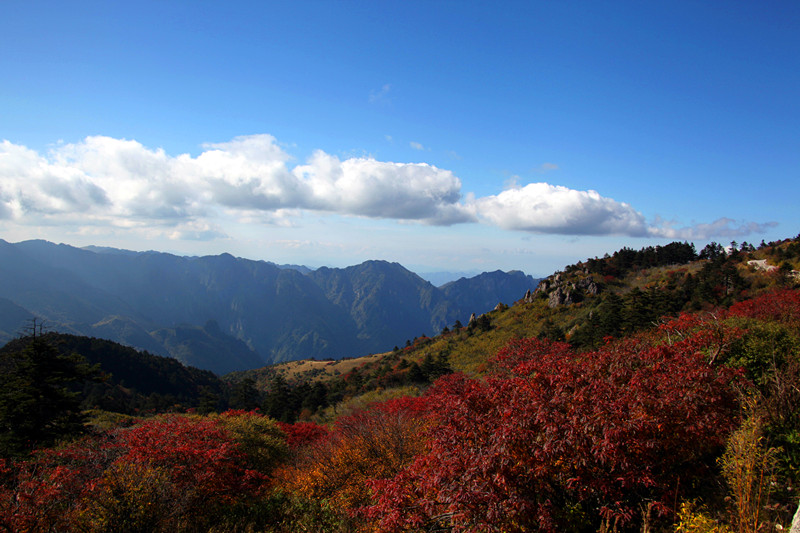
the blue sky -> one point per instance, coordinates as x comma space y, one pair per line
458, 136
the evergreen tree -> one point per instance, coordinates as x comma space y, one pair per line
210, 401
39, 396
415, 374
245, 395
278, 401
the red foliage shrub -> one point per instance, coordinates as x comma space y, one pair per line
199, 455
780, 306
554, 430
94, 483
302, 434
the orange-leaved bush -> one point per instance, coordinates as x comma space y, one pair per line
374, 443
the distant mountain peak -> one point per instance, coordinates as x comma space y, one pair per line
235, 312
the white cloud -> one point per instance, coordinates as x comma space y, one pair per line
30, 183
416, 145
197, 231
248, 172
117, 183
366, 187
124, 183
138, 182
545, 208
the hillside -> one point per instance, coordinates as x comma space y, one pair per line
626, 292
132, 381
264, 313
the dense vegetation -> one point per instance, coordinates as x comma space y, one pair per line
662, 395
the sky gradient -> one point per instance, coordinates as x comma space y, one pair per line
456, 136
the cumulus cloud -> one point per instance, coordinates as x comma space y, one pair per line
122, 184
30, 183
377, 189
123, 181
545, 208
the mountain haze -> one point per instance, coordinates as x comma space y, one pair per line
224, 313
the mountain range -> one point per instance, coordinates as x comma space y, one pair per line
223, 313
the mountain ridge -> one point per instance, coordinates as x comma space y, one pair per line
279, 312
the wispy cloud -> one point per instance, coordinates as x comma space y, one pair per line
416, 145
381, 95
102, 181
545, 167
720, 228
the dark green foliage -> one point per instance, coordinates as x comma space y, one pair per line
278, 401
719, 282
415, 374
317, 397
39, 395
627, 259
285, 402
135, 381
712, 251
434, 368
245, 395
551, 331
209, 402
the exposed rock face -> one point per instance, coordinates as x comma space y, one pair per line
761, 264
528, 298
472, 320
560, 292
589, 286
559, 297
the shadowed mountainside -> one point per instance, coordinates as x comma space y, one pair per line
261, 312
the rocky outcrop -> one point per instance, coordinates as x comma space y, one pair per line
562, 292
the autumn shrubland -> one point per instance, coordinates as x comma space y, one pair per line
667, 400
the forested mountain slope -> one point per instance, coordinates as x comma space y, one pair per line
263, 313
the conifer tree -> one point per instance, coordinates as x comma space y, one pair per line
39, 398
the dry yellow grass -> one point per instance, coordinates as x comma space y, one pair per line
311, 370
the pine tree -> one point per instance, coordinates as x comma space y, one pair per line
39, 398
